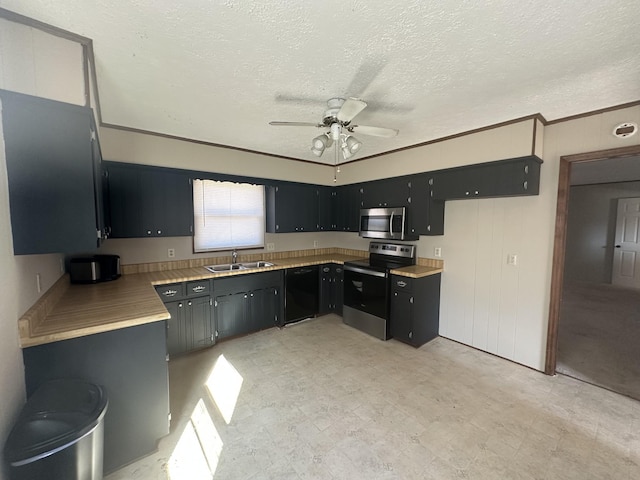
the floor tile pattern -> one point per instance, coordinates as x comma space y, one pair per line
320, 400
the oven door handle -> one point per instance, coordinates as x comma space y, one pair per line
373, 273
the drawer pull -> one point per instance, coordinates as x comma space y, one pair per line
400, 283
199, 288
169, 293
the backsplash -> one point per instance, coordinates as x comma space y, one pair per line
252, 257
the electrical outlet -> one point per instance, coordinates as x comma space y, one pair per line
512, 259
437, 252
315, 244
171, 252
271, 246
38, 284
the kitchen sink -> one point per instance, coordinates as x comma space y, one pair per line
227, 267
259, 264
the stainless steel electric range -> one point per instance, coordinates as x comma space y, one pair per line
367, 287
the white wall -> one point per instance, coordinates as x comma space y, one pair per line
34, 63
591, 229
124, 146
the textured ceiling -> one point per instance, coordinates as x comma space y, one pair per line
219, 71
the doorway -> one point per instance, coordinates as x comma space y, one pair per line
573, 302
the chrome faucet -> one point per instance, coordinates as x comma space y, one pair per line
234, 256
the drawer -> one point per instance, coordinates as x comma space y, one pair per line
198, 288
171, 291
400, 283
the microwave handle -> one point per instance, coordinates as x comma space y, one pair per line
391, 224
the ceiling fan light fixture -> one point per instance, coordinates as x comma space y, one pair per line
319, 144
352, 144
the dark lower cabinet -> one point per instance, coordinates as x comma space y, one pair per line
247, 303
415, 308
232, 315
192, 324
331, 289
131, 365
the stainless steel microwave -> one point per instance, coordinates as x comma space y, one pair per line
387, 223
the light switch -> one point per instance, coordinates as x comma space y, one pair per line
512, 259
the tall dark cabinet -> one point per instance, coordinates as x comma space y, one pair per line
54, 175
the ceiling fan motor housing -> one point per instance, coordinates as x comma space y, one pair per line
331, 114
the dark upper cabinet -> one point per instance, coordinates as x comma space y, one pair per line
426, 215
348, 202
292, 208
148, 201
512, 177
326, 209
390, 192
53, 168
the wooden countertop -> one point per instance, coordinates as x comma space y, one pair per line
417, 271
131, 300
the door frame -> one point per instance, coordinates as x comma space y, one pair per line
560, 238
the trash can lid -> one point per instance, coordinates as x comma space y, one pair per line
57, 415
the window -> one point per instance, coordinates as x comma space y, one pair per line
227, 215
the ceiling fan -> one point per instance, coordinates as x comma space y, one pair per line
337, 121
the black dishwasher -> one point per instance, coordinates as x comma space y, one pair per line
302, 287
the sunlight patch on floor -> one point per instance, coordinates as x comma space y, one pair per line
198, 450
224, 384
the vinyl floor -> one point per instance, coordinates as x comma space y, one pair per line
320, 400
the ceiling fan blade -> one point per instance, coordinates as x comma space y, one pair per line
295, 124
375, 131
350, 108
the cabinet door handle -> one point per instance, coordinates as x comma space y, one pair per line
180, 305
410, 334
159, 232
189, 303
525, 184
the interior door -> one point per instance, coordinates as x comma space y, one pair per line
626, 256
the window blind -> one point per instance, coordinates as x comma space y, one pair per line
227, 215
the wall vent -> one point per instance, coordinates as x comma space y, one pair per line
625, 130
